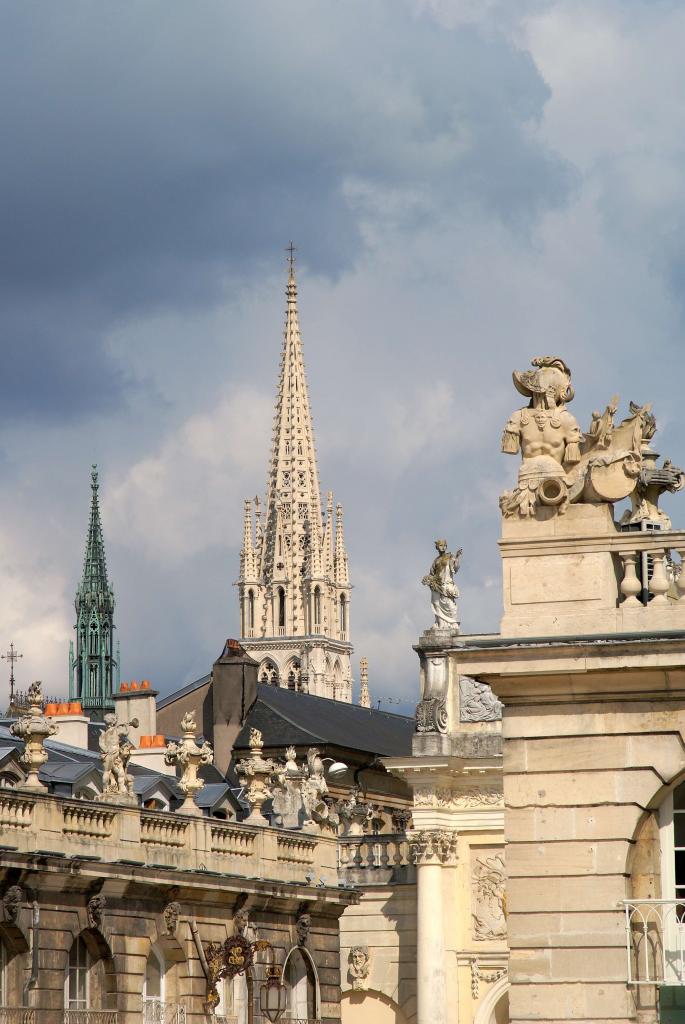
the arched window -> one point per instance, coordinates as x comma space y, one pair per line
93, 639
294, 674
153, 986
77, 989
317, 607
281, 608
343, 615
337, 679
268, 673
301, 987
250, 609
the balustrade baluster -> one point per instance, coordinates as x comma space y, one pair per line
630, 584
658, 584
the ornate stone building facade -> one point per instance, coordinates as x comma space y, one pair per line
294, 586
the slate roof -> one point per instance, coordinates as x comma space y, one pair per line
171, 697
285, 717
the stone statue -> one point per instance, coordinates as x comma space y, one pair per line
444, 592
547, 436
318, 806
562, 466
116, 749
360, 967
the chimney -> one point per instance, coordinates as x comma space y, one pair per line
73, 724
150, 754
234, 691
139, 701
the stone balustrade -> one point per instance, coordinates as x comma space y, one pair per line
163, 830
110, 833
651, 577
375, 859
15, 814
86, 820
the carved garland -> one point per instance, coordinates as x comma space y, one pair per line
455, 799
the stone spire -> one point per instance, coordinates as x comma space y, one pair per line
94, 670
364, 695
289, 586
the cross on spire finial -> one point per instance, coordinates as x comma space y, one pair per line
11, 657
291, 250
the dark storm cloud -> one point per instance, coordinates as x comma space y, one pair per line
154, 153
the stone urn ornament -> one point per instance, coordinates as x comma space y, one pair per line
188, 755
254, 773
34, 728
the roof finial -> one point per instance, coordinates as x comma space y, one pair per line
291, 250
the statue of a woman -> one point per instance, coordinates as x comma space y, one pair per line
444, 592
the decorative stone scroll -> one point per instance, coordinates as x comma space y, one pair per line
477, 702
489, 882
433, 846
431, 715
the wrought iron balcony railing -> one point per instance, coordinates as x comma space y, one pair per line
89, 1017
655, 942
17, 1015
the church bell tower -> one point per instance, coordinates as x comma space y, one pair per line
294, 585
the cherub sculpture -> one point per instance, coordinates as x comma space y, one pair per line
116, 749
444, 591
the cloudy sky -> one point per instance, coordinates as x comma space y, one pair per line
469, 183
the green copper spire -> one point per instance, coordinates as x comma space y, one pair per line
94, 669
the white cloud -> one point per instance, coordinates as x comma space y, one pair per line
187, 496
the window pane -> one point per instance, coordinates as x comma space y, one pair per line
679, 798
679, 829
680, 867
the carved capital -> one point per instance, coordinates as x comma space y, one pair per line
431, 715
433, 846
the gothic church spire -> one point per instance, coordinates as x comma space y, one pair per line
290, 581
94, 668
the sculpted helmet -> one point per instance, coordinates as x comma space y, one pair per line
550, 379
